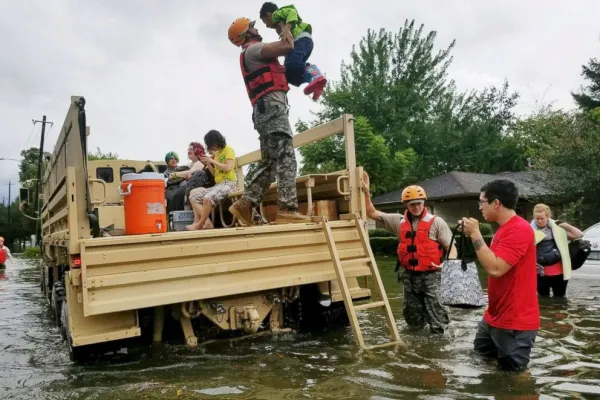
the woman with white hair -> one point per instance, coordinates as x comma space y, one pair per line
552, 245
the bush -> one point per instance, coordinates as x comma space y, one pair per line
388, 246
384, 245
379, 233
32, 252
484, 228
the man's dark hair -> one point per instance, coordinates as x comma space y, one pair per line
503, 190
214, 138
266, 8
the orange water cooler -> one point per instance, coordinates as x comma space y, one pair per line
144, 198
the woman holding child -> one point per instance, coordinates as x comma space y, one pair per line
222, 167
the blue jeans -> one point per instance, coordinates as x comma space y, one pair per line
295, 61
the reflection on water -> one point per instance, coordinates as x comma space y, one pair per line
34, 363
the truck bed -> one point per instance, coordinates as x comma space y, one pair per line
133, 272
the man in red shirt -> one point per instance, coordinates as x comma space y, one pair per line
512, 318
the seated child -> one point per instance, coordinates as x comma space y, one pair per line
288, 23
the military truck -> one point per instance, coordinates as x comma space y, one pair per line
104, 286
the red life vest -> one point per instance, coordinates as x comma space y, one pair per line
266, 78
416, 251
2, 255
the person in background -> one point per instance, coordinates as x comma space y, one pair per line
4, 254
222, 166
553, 258
177, 201
171, 159
510, 323
173, 182
195, 151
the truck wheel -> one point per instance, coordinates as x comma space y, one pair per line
42, 279
48, 283
75, 353
58, 296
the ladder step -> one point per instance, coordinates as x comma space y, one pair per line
377, 346
369, 305
355, 261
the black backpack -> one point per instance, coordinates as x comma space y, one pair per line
579, 250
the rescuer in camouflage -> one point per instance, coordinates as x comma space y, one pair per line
418, 313
277, 158
270, 118
420, 274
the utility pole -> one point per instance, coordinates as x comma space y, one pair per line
39, 175
8, 210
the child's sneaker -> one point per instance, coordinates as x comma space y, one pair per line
316, 81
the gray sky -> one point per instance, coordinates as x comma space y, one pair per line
159, 74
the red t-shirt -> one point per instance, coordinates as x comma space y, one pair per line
513, 302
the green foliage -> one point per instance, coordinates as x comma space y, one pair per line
99, 155
379, 233
484, 228
384, 245
379, 160
411, 123
32, 253
589, 98
19, 227
569, 159
29, 163
534, 135
389, 245
28, 168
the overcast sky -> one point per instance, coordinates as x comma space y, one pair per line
159, 74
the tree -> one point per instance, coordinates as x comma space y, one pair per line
20, 227
392, 79
568, 153
396, 87
99, 155
29, 163
390, 166
28, 169
589, 98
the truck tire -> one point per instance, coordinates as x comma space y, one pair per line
42, 279
75, 353
48, 282
58, 296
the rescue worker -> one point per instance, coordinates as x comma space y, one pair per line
4, 254
424, 240
267, 87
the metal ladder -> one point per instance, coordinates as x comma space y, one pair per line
348, 302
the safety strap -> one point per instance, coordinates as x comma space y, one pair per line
461, 249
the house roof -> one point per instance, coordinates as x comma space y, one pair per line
458, 184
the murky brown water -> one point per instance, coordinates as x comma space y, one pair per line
34, 363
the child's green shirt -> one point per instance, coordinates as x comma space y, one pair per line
289, 15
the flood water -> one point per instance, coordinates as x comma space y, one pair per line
34, 361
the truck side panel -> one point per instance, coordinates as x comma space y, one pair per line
64, 218
98, 328
127, 273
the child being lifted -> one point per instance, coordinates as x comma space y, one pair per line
297, 33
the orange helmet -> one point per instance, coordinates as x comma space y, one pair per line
413, 192
237, 30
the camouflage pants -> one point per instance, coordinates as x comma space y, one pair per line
278, 159
422, 305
